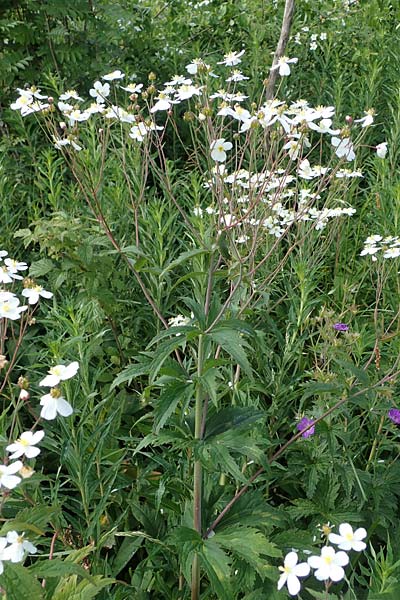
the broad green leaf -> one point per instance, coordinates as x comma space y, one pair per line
19, 583
41, 267
232, 417
216, 563
70, 589
249, 544
232, 342
57, 568
168, 401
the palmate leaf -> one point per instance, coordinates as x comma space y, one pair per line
250, 545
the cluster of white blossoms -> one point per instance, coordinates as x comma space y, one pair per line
328, 566
269, 200
10, 304
14, 469
14, 547
388, 247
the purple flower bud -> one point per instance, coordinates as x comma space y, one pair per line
394, 415
341, 327
305, 422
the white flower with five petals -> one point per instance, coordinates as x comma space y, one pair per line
329, 565
60, 373
291, 571
349, 539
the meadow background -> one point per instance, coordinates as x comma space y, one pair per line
111, 505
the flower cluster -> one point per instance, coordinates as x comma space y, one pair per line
328, 566
388, 247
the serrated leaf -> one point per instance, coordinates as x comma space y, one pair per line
128, 549
232, 417
231, 341
130, 372
41, 267
168, 400
20, 584
216, 563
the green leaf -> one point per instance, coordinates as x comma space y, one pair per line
181, 259
169, 399
232, 342
250, 545
70, 589
20, 584
129, 547
162, 353
232, 417
132, 371
57, 568
217, 566
41, 267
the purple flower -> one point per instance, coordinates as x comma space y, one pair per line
341, 327
394, 415
304, 423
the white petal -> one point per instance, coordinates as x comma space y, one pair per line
360, 534
359, 546
335, 538
345, 529
341, 558
64, 408
315, 562
293, 585
282, 580
336, 573
291, 559
70, 371
50, 381
10, 481
323, 573
49, 410
302, 569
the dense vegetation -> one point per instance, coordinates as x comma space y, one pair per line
212, 375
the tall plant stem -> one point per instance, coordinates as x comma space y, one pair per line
281, 47
198, 470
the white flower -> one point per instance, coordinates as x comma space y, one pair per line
344, 148
70, 94
186, 91
60, 373
164, 103
283, 65
231, 59
3, 544
26, 445
291, 571
54, 403
236, 76
218, 149
329, 565
313, 46
113, 75
10, 309
381, 149
18, 546
33, 293
368, 119
100, 91
133, 88
14, 265
324, 126
193, 67
391, 252
8, 479
349, 540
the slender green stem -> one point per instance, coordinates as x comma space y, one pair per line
198, 471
